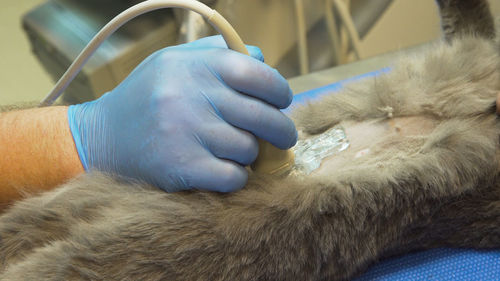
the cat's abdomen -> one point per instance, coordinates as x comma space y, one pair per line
371, 138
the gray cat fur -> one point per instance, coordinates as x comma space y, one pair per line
423, 192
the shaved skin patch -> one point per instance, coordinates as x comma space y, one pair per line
366, 135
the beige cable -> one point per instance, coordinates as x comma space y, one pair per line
232, 39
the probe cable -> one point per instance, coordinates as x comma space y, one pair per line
232, 39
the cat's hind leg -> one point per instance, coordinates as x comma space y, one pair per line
40, 220
471, 221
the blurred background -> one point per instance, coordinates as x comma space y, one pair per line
41, 38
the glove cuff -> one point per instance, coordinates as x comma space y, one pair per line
74, 120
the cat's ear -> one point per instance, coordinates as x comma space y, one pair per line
466, 17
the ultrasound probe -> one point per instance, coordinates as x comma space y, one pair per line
270, 160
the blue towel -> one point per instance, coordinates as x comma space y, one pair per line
442, 264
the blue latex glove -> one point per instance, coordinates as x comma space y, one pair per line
186, 117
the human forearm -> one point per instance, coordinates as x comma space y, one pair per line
37, 151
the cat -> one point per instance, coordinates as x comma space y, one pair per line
429, 179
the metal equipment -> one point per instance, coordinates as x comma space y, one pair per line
59, 29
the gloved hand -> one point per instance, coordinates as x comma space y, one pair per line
186, 117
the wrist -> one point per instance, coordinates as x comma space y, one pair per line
75, 122
37, 151
90, 135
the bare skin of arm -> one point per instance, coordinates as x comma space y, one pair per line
37, 152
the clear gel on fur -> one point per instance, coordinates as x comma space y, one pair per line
311, 151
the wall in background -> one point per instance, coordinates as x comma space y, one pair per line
21, 76
406, 23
